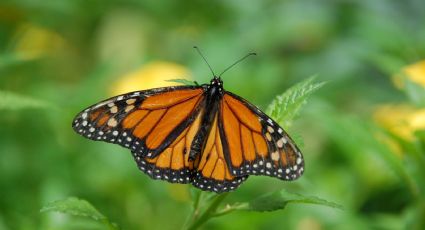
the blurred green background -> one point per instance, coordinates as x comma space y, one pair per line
362, 134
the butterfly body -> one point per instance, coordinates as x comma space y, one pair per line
213, 94
201, 135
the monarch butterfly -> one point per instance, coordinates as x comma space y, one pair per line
200, 134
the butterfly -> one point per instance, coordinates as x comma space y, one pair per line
197, 134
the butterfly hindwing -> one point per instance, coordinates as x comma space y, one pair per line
255, 144
212, 172
173, 163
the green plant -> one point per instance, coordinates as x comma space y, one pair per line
78, 207
13, 101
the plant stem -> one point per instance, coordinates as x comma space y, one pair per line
231, 208
197, 200
208, 213
195, 209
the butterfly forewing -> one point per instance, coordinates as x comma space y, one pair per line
146, 122
255, 143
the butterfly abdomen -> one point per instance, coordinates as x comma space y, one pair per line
213, 96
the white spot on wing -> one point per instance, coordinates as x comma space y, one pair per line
114, 109
270, 129
129, 108
281, 142
275, 156
299, 160
268, 165
112, 122
130, 101
269, 137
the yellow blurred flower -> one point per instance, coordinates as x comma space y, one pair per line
34, 41
414, 72
401, 120
151, 75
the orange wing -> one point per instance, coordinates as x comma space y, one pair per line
254, 144
212, 172
173, 163
147, 122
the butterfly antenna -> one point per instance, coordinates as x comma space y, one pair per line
250, 54
200, 53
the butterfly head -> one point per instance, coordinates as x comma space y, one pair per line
216, 85
216, 81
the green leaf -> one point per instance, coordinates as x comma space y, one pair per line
75, 207
79, 207
415, 92
182, 81
279, 200
285, 108
13, 101
298, 139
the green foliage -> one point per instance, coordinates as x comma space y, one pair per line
285, 108
267, 203
280, 199
415, 92
11, 59
78, 207
182, 81
13, 101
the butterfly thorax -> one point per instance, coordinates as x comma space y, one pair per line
213, 95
